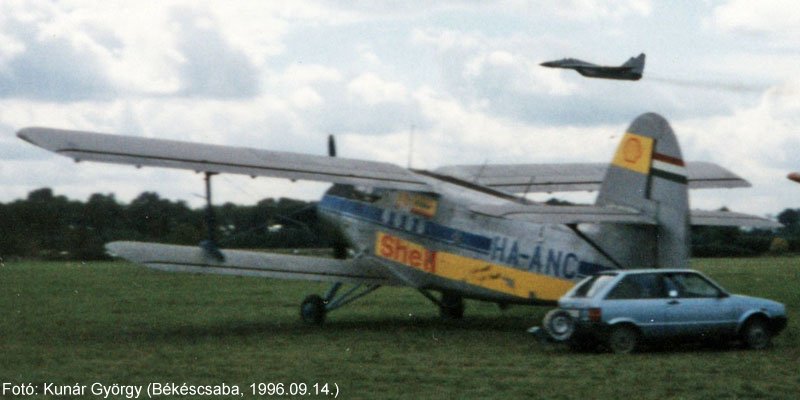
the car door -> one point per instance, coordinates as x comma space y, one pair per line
697, 307
642, 299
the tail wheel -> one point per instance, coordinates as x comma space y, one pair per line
756, 334
559, 325
623, 339
312, 310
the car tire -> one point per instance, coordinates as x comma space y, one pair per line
559, 325
756, 334
623, 339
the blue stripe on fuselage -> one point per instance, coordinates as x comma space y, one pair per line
430, 230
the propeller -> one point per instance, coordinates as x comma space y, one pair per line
331, 146
340, 245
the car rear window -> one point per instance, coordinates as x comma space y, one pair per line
590, 287
639, 286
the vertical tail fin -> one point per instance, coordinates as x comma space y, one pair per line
636, 64
648, 174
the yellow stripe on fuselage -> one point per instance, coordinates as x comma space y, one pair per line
473, 271
634, 153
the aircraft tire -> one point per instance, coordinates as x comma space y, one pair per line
312, 310
451, 307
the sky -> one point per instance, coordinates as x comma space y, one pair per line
456, 82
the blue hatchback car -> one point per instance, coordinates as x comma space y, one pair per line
621, 309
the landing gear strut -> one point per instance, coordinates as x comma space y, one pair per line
451, 306
314, 308
210, 244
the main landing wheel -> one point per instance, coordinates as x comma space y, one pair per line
451, 307
312, 310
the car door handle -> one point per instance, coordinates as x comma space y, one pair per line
673, 302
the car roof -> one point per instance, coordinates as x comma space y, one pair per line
647, 271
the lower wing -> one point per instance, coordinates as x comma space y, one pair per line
194, 259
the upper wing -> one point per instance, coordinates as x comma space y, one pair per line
214, 158
530, 178
251, 263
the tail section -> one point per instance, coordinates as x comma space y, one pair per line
648, 174
636, 64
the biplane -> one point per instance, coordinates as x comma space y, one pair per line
455, 232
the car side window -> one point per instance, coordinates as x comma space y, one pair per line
639, 286
693, 285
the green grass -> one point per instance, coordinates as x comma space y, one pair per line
118, 323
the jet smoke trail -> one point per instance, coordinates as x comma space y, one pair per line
710, 85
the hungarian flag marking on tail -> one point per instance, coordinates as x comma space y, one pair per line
669, 168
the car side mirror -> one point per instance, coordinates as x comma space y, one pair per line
722, 295
673, 293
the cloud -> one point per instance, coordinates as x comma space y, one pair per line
759, 142
775, 19
210, 65
594, 10
373, 90
45, 59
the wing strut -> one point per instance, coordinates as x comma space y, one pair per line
210, 245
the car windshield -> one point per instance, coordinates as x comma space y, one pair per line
590, 287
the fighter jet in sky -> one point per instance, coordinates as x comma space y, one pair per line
631, 70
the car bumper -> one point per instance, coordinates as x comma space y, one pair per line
590, 331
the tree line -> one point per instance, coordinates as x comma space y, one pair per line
49, 226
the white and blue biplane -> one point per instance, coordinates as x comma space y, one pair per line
461, 231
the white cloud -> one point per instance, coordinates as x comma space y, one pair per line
374, 90
305, 97
306, 74
592, 10
778, 19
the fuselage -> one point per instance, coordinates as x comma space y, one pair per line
435, 241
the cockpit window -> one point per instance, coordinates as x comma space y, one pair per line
366, 194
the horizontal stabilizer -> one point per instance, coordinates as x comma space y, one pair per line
544, 214
727, 218
140, 151
190, 259
570, 177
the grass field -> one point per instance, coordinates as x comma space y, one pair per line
117, 323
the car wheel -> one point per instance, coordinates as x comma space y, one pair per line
559, 325
623, 339
756, 334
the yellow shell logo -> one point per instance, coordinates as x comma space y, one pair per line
632, 151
